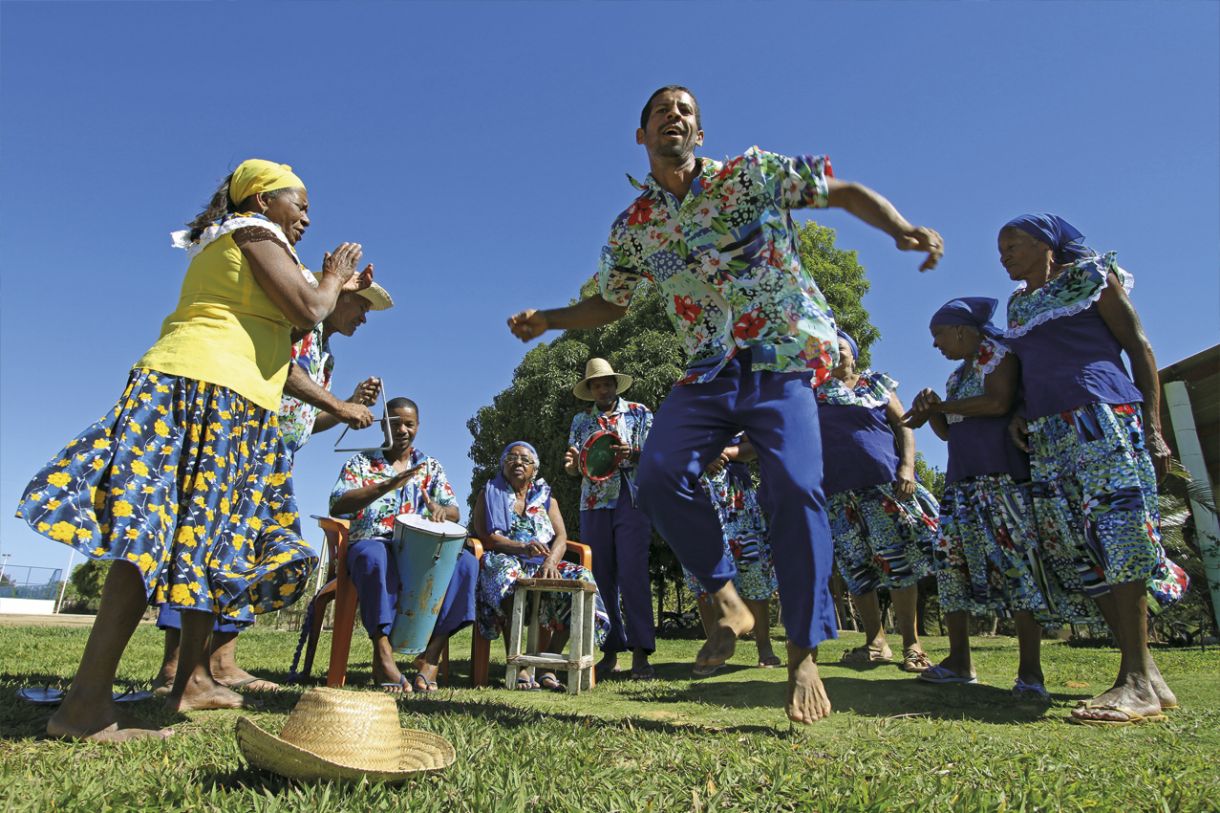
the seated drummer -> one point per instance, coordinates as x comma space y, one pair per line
374, 488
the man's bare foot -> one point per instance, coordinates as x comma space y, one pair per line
107, 723
731, 618
201, 694
807, 700
1131, 700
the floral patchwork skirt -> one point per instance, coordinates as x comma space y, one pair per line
1095, 502
755, 579
987, 557
881, 541
498, 575
189, 482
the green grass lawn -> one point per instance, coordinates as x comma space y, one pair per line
672, 744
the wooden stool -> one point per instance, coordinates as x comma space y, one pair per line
579, 660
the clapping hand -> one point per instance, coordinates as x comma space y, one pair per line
342, 263
528, 324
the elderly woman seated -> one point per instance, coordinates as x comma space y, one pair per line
524, 537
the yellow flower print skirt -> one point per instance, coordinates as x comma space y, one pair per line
189, 482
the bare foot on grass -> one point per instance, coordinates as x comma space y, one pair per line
201, 695
109, 724
807, 700
1168, 699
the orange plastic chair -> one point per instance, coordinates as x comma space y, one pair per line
336, 531
480, 647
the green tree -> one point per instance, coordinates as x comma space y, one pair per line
87, 580
538, 406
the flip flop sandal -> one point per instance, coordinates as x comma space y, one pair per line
403, 685
1133, 717
41, 695
942, 675
863, 656
769, 662
915, 661
1032, 690
526, 684
422, 685
250, 681
552, 684
47, 696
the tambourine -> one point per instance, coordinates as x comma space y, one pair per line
598, 460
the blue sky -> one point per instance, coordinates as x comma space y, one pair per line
478, 151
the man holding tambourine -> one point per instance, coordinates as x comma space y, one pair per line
603, 448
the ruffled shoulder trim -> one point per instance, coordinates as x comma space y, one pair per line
991, 353
228, 225
1073, 291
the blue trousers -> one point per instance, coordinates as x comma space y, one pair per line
374, 572
778, 413
620, 538
170, 619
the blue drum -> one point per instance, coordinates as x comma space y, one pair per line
426, 553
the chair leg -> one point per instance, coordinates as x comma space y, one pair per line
341, 638
513, 639
576, 642
480, 655
590, 635
315, 631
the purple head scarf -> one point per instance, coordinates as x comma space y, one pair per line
1054, 231
972, 311
851, 343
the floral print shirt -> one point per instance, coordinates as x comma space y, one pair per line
726, 262
631, 422
376, 520
312, 354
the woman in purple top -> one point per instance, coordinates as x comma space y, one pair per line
883, 521
1095, 442
986, 554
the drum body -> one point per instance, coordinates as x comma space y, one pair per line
426, 553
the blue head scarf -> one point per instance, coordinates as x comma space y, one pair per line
973, 311
845, 336
498, 495
1054, 231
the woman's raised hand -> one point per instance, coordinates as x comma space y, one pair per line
921, 238
342, 262
528, 324
358, 282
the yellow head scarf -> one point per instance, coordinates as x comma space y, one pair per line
256, 175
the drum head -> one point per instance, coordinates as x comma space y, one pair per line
414, 522
598, 461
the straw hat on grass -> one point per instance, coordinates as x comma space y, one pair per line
344, 735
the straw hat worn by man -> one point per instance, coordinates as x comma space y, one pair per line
610, 521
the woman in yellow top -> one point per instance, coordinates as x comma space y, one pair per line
184, 484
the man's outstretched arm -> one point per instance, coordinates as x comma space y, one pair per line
585, 314
876, 211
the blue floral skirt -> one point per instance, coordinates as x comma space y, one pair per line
1095, 502
987, 557
189, 482
498, 575
881, 541
755, 579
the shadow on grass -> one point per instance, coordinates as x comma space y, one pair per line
880, 698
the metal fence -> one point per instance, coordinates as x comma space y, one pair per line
18, 581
